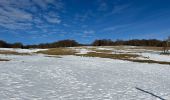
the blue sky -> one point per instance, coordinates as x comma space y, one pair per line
41, 21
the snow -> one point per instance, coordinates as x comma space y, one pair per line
102, 48
156, 56
22, 50
38, 77
83, 51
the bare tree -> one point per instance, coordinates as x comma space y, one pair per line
166, 45
168, 41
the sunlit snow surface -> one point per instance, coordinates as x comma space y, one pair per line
38, 77
21, 50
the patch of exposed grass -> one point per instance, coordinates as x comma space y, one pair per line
128, 57
112, 56
149, 61
58, 51
12, 53
148, 48
54, 56
4, 60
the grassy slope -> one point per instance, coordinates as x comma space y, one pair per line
58, 51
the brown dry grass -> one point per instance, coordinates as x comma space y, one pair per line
150, 61
149, 48
58, 51
112, 56
12, 52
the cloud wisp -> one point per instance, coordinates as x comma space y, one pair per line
16, 14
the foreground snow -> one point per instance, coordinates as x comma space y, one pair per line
38, 77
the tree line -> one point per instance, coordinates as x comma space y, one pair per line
101, 42
134, 42
62, 43
4, 44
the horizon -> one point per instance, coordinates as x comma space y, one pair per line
46, 21
90, 43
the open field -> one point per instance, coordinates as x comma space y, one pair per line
85, 73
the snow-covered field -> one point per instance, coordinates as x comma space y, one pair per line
40, 77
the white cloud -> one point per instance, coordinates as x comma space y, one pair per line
66, 25
15, 14
103, 6
16, 3
15, 26
44, 3
84, 16
53, 20
113, 7
119, 8
52, 17
14, 18
24, 14
113, 28
88, 33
